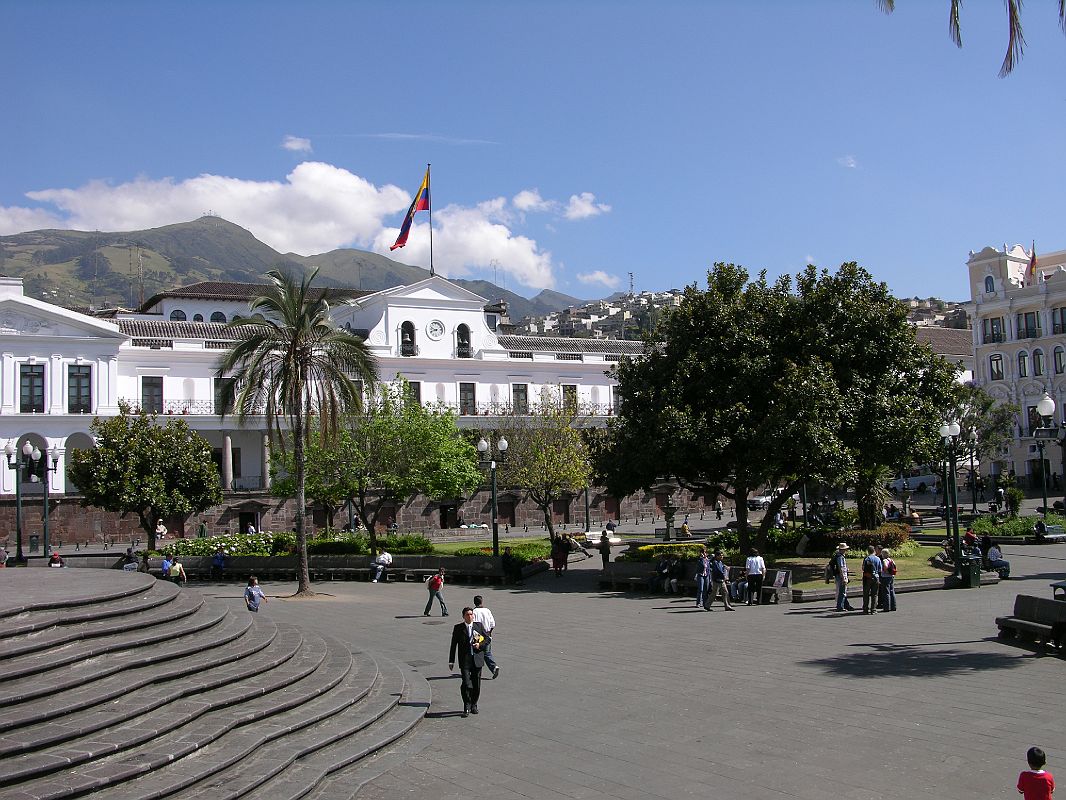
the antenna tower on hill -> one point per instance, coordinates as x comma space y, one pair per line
630, 285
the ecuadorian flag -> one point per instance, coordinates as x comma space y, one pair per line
420, 203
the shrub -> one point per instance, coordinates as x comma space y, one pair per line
1012, 526
283, 543
1014, 497
686, 551
525, 552
892, 535
235, 544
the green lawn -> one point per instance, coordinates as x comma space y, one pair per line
807, 572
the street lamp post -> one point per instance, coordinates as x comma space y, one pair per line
18, 464
483, 448
1046, 409
973, 478
949, 434
51, 465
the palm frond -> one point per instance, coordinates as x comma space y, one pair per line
887, 6
954, 29
1016, 42
1062, 14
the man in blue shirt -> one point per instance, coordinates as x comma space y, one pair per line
871, 581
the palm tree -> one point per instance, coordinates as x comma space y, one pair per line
1015, 37
291, 363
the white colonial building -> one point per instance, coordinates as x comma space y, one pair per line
1019, 343
60, 368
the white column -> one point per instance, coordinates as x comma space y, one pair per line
56, 386
266, 460
8, 383
227, 461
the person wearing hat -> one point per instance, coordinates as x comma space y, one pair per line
839, 567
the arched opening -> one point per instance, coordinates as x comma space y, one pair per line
76, 441
34, 471
1023, 364
1060, 360
177, 315
990, 284
1038, 362
462, 336
218, 316
407, 339
197, 317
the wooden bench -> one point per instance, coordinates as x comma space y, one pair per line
1035, 618
1053, 535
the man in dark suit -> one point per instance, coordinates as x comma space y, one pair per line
470, 639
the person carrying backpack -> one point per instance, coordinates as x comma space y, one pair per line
435, 583
871, 581
888, 580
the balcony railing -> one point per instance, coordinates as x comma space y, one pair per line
994, 338
523, 409
463, 350
248, 483
1029, 333
177, 407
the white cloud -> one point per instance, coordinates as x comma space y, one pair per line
529, 200
15, 220
848, 161
584, 205
296, 144
601, 277
809, 260
316, 208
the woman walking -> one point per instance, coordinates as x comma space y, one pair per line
435, 583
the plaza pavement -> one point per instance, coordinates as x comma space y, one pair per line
609, 695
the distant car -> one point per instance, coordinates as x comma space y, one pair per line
914, 483
759, 502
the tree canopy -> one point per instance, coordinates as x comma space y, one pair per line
141, 467
393, 449
293, 364
749, 383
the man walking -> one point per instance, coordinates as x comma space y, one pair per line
468, 638
488, 622
871, 581
435, 583
719, 582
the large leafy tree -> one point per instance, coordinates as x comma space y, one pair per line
393, 449
141, 467
547, 457
293, 364
993, 421
1015, 36
749, 383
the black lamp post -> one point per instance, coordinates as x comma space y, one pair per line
949, 434
483, 448
18, 464
972, 439
1046, 409
51, 465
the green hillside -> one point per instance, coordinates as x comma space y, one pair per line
101, 270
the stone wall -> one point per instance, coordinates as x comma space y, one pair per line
69, 522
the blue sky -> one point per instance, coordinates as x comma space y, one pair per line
571, 142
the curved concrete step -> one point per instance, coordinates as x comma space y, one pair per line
180, 605
79, 587
338, 771
39, 619
119, 674
41, 748
214, 741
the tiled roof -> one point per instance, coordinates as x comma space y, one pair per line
563, 344
954, 342
152, 329
226, 290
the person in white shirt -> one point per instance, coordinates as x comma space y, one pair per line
381, 563
488, 622
756, 569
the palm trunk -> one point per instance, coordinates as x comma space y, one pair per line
298, 429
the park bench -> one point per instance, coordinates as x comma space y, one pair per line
1035, 618
1054, 534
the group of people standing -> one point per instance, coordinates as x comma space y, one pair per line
878, 579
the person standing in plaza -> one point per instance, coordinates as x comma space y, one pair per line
719, 582
468, 639
605, 549
888, 580
838, 567
488, 622
703, 579
871, 580
435, 585
756, 568
1036, 783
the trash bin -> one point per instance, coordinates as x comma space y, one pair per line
971, 573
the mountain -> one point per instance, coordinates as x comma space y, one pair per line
95, 269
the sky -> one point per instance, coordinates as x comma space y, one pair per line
572, 143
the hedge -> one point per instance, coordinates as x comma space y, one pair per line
527, 551
1012, 526
284, 543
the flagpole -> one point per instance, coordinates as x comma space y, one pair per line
429, 186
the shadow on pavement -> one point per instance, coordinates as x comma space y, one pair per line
916, 661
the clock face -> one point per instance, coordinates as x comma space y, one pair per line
435, 329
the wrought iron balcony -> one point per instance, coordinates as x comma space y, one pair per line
993, 338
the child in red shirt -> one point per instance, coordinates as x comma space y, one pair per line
1036, 783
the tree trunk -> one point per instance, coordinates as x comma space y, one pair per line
546, 510
303, 576
149, 528
740, 492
